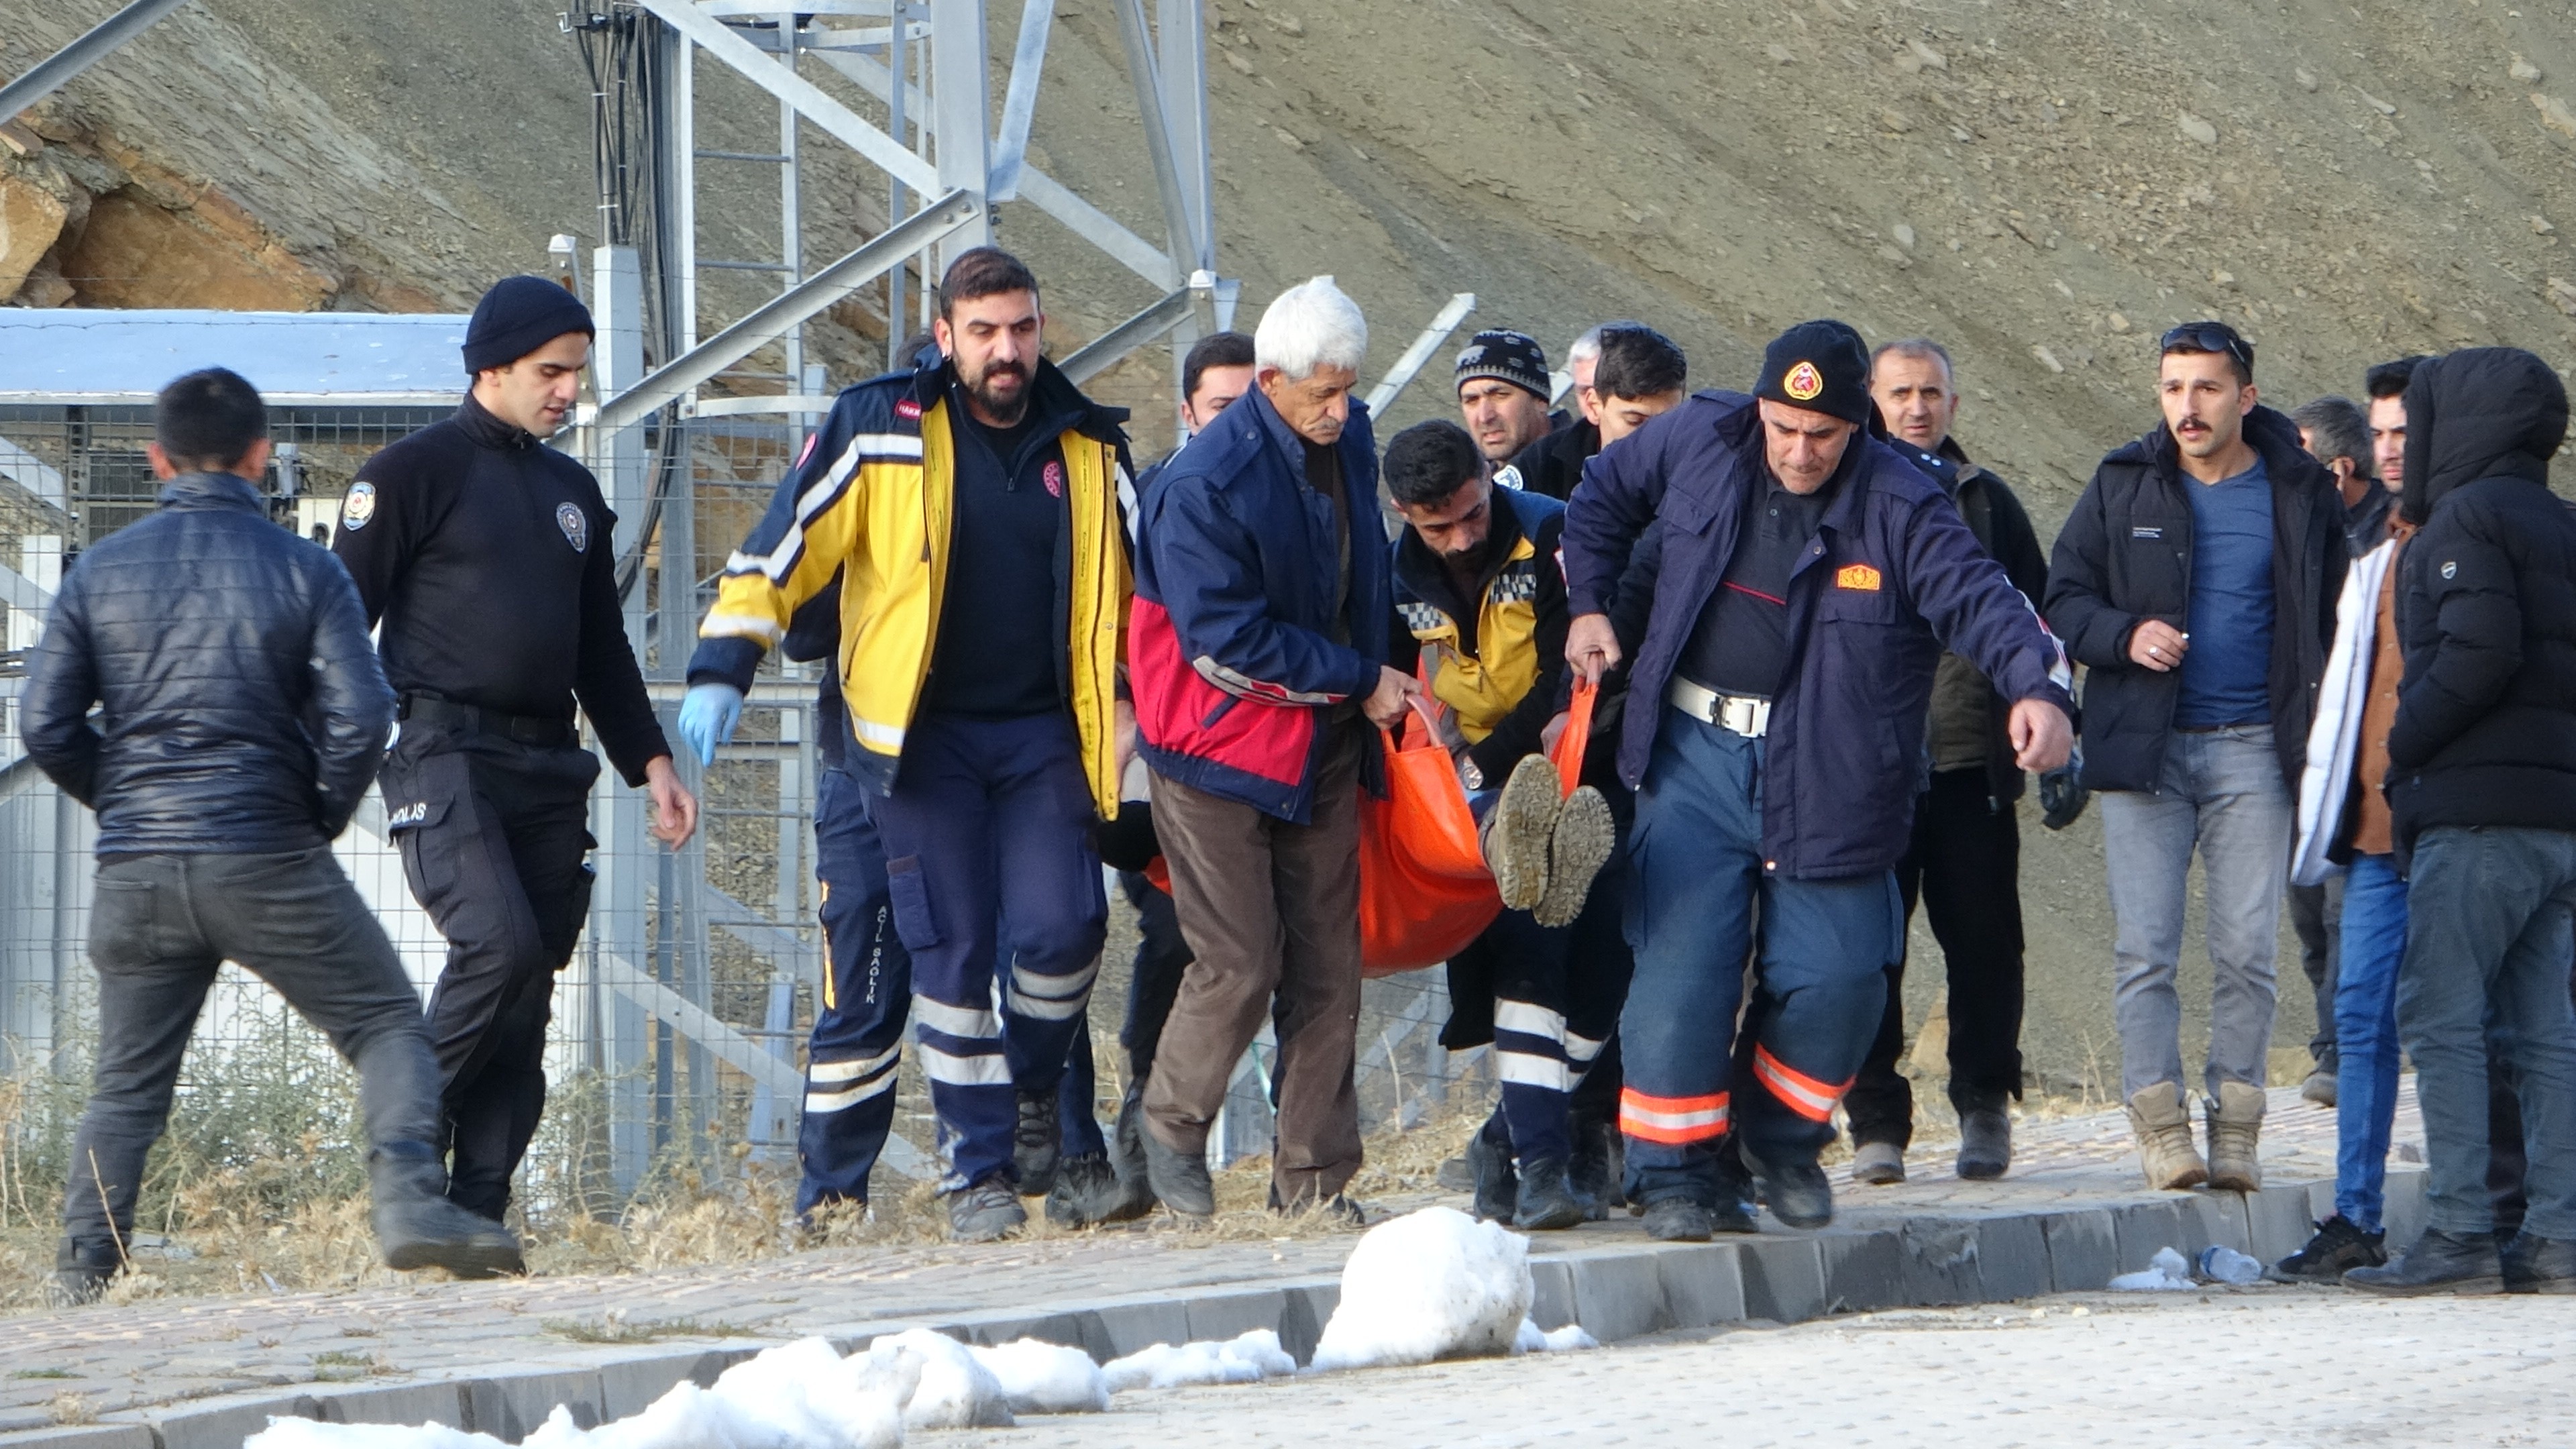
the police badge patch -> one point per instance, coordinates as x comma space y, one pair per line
358, 507
575, 525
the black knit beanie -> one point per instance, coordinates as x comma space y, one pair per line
518, 316
1515, 357
1822, 366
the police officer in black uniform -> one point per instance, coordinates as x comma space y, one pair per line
486, 556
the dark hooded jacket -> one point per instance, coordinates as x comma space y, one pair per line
2486, 602
2124, 557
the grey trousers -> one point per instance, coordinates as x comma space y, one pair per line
160, 926
2490, 922
2220, 796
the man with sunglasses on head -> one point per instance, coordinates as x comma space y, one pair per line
2196, 580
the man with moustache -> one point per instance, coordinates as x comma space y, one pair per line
971, 509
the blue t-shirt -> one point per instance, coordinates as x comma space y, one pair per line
2226, 673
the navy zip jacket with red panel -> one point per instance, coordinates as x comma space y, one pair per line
1231, 653
1892, 578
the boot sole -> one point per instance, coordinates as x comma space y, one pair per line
1983, 1171
464, 1260
2459, 1287
1524, 823
1578, 846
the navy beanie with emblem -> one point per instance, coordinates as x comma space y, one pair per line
518, 316
1515, 357
1822, 366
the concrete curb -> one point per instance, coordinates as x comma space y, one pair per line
1616, 1291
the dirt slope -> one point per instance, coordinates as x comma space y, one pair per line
2043, 184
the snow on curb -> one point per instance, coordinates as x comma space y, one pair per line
1429, 1285
1245, 1360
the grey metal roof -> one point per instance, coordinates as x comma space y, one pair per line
75, 355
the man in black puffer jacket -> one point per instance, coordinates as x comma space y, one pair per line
2482, 785
243, 715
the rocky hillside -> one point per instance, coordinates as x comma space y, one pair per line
2043, 184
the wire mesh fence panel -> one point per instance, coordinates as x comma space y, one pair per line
676, 1047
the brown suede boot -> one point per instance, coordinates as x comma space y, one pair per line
2163, 1127
2235, 1122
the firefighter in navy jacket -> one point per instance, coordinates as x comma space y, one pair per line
1809, 580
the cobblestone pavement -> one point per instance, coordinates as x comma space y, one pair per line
164, 1350
2278, 1366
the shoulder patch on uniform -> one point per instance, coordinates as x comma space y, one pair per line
358, 507
1856, 576
1509, 476
575, 525
2451, 568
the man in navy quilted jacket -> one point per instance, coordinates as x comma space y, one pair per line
242, 716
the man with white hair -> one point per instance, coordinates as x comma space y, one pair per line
1259, 640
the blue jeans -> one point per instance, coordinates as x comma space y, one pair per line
2220, 794
2491, 920
1819, 967
2365, 1035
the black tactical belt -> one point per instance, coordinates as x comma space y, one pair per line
526, 729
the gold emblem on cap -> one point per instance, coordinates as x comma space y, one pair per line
1803, 383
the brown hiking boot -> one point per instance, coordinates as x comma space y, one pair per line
1519, 831
2235, 1122
2163, 1128
1578, 846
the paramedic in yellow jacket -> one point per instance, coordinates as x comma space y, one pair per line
972, 511
1481, 614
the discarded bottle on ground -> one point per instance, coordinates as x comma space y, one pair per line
2222, 1264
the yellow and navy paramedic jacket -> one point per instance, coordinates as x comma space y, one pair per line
869, 503
1500, 666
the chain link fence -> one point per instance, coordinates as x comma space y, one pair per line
679, 1026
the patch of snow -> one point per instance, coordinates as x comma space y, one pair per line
956, 1390
1429, 1285
2166, 1272
1046, 1378
1561, 1340
283, 1433
1245, 1360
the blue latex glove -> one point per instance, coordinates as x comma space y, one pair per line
708, 715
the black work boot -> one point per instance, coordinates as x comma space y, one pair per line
985, 1213
81, 1274
1489, 1157
1593, 1171
1796, 1192
417, 1226
2535, 1264
1179, 1178
2337, 1249
1733, 1210
1679, 1220
2439, 1262
1547, 1203
1127, 1140
1087, 1190
1035, 1141
1985, 1144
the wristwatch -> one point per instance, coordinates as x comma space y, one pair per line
1469, 775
